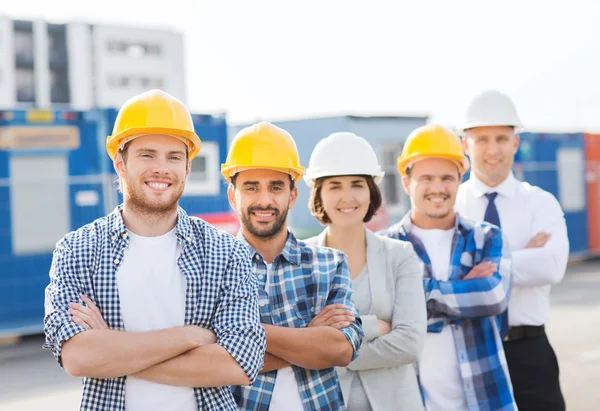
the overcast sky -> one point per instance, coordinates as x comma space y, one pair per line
280, 59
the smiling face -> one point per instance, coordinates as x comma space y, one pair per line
152, 172
432, 184
262, 199
345, 199
492, 151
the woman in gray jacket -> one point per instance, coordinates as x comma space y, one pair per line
387, 276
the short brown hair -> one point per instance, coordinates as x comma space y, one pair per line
315, 203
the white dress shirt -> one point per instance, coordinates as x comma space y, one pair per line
524, 211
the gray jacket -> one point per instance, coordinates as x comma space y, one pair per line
385, 363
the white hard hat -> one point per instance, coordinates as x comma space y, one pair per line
490, 108
342, 154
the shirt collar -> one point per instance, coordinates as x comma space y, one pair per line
117, 228
507, 188
291, 250
405, 225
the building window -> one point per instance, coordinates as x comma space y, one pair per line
134, 49
135, 82
198, 172
393, 193
24, 48
35, 229
25, 80
204, 175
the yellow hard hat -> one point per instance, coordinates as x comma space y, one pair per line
263, 145
432, 141
153, 112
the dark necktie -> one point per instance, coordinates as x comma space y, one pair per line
491, 212
492, 217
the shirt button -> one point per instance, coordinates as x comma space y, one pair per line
269, 379
262, 303
312, 309
116, 261
260, 276
256, 256
124, 235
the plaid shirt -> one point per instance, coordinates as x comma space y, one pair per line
471, 308
305, 279
221, 295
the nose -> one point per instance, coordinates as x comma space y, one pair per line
493, 148
264, 198
346, 195
437, 186
160, 166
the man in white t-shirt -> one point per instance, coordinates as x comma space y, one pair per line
305, 291
534, 224
155, 309
466, 281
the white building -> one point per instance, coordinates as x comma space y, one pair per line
83, 65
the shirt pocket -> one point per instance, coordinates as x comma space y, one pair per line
297, 314
263, 307
308, 308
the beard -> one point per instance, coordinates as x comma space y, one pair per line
439, 214
146, 204
268, 231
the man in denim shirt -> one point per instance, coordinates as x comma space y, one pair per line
305, 291
466, 280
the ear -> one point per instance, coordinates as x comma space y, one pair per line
406, 184
465, 144
231, 197
293, 197
516, 144
119, 164
189, 169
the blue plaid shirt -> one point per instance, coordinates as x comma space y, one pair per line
471, 308
305, 279
221, 296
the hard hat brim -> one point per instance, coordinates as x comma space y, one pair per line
229, 171
310, 178
462, 162
468, 126
194, 142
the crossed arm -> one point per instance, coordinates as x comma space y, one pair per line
483, 292
331, 339
187, 355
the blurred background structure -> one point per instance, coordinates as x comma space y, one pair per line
378, 70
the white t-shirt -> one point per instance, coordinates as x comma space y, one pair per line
152, 293
438, 367
286, 395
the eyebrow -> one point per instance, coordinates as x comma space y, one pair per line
152, 151
432, 176
352, 182
272, 183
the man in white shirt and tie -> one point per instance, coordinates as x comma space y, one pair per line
533, 222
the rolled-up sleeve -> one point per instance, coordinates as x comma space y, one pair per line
340, 292
64, 287
237, 319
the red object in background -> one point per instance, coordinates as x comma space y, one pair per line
226, 221
592, 164
380, 221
